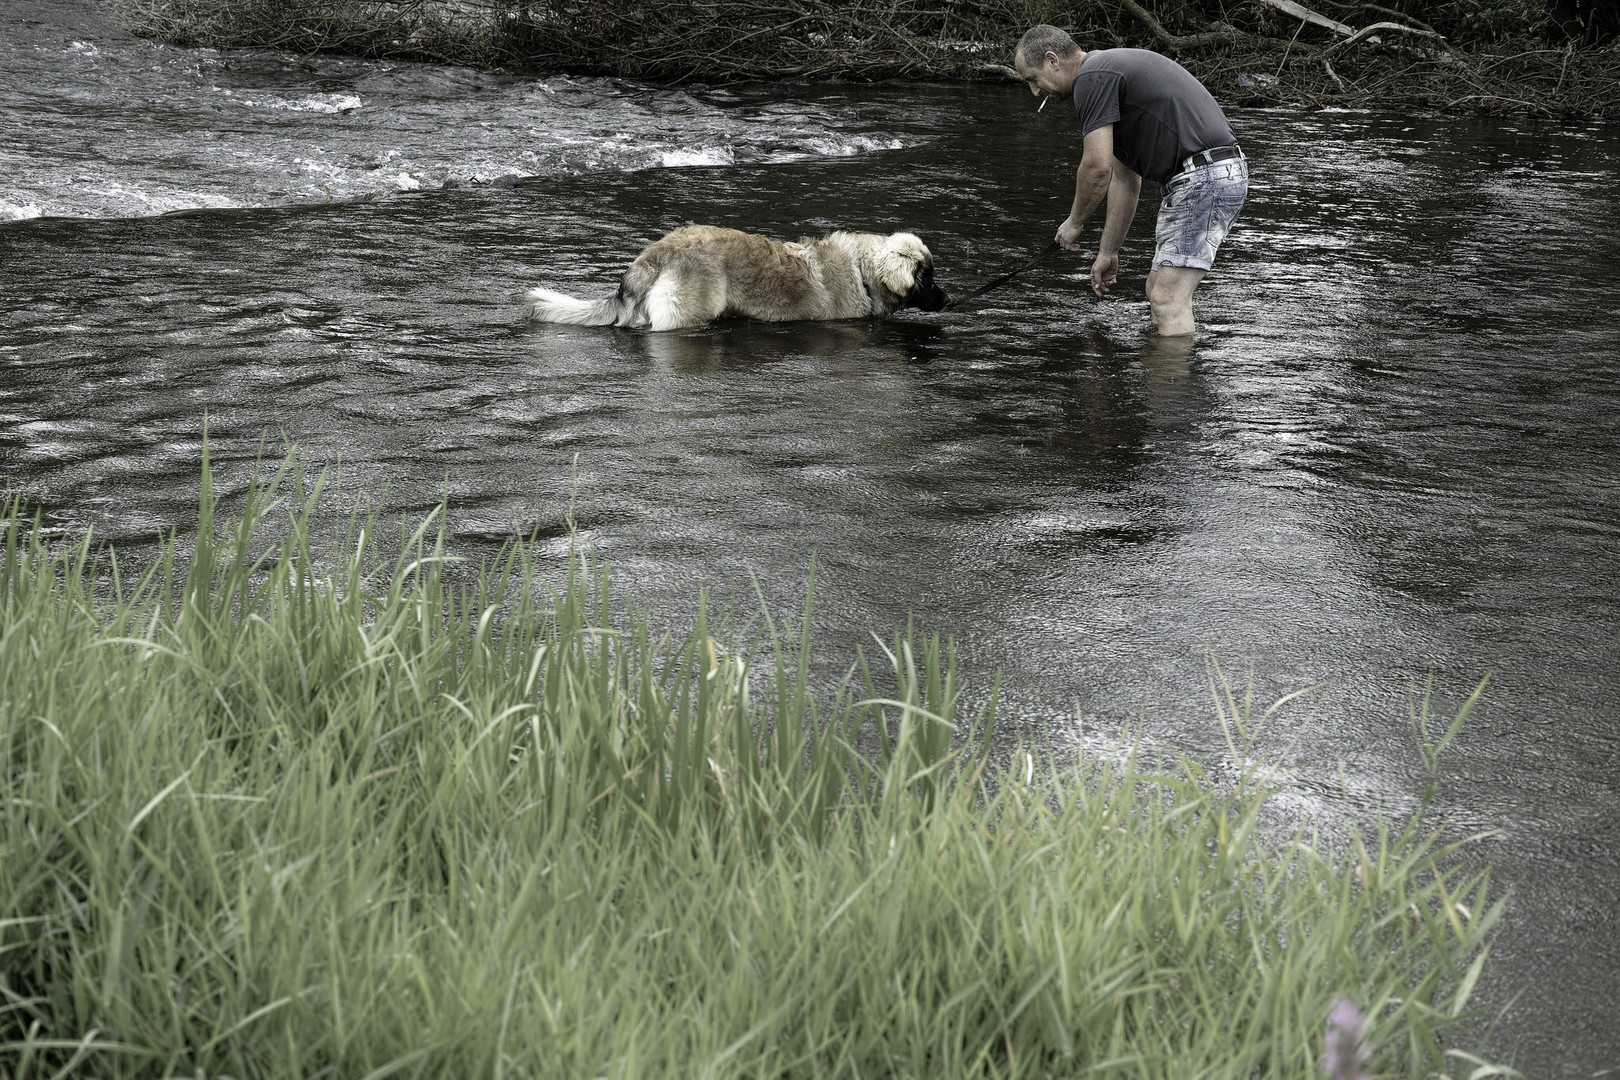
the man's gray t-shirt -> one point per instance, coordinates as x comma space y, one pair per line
1159, 111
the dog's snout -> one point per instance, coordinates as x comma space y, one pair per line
932, 298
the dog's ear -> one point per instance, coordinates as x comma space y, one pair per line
899, 262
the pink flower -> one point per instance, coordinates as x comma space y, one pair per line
1344, 1054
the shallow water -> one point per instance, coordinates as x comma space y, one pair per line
1388, 457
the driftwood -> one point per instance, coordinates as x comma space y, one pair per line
1410, 20
1305, 14
1181, 42
1367, 32
1348, 34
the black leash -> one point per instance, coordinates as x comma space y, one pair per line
1004, 278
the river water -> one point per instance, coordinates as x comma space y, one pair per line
1389, 458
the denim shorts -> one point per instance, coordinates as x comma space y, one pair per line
1197, 211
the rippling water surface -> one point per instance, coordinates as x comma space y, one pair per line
106, 126
1390, 455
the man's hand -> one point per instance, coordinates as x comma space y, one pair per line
1068, 234
1104, 273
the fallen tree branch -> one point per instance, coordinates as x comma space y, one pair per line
1334, 75
1349, 35
1290, 49
1388, 13
1372, 28
1532, 106
1411, 19
1177, 43
1305, 14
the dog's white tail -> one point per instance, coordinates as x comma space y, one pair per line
544, 305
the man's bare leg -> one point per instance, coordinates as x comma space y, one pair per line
1169, 293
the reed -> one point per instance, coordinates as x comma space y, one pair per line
273, 812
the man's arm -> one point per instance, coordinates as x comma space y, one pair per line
1091, 182
1123, 190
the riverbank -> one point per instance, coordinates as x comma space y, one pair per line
280, 812
1520, 60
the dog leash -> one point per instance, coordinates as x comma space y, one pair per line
1004, 278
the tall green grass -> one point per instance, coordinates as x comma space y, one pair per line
267, 813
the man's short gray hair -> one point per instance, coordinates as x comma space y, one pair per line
1040, 40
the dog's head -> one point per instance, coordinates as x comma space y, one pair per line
904, 269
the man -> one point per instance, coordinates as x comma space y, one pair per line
1143, 115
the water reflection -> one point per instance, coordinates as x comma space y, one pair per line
740, 344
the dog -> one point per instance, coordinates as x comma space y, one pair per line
701, 272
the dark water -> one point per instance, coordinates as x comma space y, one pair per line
1390, 456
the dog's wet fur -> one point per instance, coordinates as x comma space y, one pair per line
702, 272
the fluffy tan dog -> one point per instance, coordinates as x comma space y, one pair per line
702, 272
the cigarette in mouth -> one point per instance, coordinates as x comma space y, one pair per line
1044, 100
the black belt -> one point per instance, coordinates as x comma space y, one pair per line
1211, 156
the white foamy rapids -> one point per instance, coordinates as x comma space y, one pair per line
313, 103
837, 146
138, 130
708, 155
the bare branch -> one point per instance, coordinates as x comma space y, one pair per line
1198, 41
1334, 75
1372, 28
1412, 20
1305, 14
